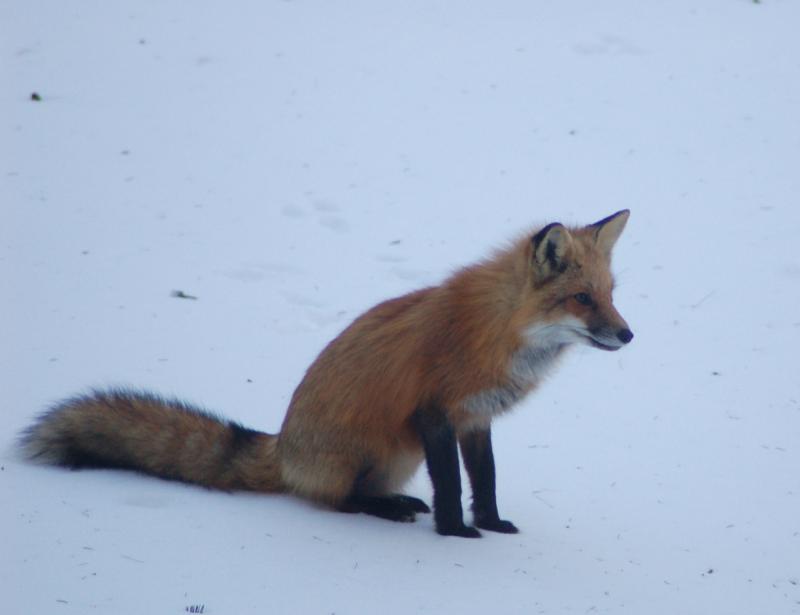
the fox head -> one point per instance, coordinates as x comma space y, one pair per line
570, 273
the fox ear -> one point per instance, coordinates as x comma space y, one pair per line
550, 246
608, 230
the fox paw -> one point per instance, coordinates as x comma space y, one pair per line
413, 503
497, 525
400, 508
462, 531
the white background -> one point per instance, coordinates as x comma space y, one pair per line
293, 163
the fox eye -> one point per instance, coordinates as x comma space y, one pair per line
584, 298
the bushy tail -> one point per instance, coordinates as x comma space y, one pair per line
165, 438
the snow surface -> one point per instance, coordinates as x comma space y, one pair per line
292, 163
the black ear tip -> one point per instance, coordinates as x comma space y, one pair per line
538, 237
607, 219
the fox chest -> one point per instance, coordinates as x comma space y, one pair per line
526, 369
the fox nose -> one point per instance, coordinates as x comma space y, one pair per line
625, 335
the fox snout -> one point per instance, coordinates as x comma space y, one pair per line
608, 338
609, 330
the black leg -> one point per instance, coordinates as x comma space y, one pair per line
393, 507
441, 455
476, 448
415, 504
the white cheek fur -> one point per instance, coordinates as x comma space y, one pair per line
568, 330
529, 366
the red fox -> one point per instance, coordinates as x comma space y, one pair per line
413, 378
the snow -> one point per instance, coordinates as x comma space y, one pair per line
290, 164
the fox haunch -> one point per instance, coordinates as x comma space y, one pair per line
414, 378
